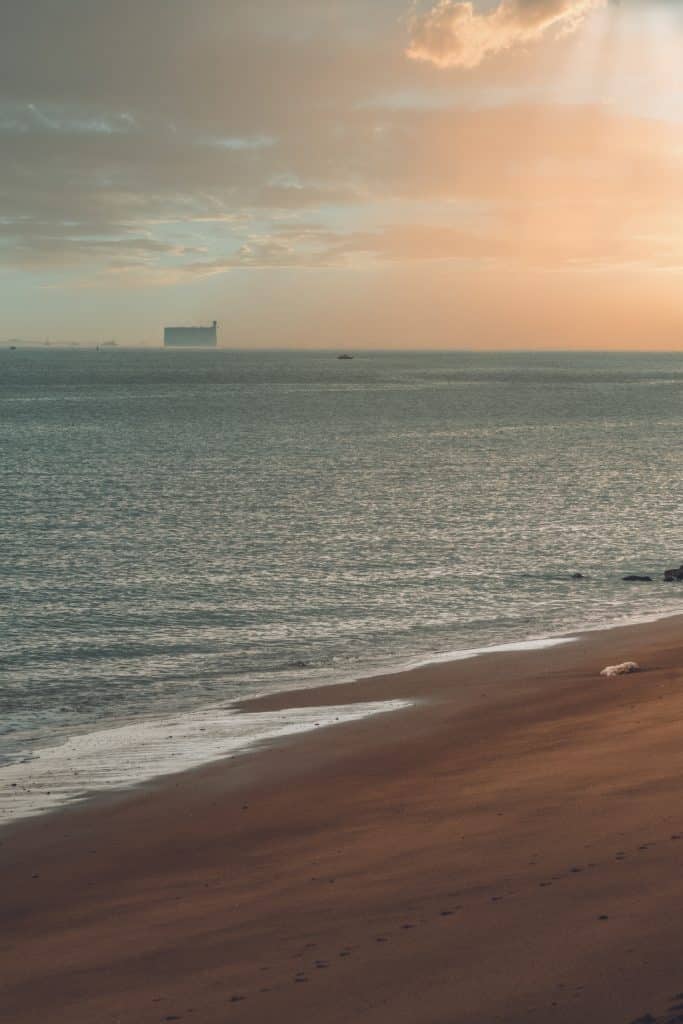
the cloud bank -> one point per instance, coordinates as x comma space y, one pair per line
280, 175
454, 34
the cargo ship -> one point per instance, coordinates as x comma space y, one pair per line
191, 337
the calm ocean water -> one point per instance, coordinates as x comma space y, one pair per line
183, 528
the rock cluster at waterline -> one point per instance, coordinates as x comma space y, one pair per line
669, 576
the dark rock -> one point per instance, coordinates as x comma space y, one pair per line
673, 575
637, 579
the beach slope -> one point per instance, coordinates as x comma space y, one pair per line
510, 849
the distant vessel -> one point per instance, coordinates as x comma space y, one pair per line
190, 337
344, 356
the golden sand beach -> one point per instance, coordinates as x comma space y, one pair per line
509, 849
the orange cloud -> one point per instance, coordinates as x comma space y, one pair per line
453, 34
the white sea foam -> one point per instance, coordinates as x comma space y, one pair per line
475, 652
121, 757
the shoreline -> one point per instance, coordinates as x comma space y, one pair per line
27, 793
295, 697
505, 847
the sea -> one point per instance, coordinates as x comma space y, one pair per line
184, 529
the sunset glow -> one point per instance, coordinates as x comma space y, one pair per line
434, 175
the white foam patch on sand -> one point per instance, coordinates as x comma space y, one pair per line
121, 757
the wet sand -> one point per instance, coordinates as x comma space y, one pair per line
510, 849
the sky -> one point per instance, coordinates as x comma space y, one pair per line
343, 173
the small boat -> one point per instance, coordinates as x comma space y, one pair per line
344, 356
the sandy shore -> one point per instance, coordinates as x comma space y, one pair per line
510, 849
